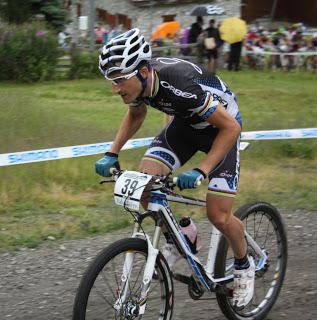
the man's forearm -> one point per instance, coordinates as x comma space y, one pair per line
129, 126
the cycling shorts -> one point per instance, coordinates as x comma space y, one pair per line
178, 142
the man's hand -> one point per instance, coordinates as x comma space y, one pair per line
190, 179
103, 166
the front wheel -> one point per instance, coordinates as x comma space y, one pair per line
264, 224
100, 287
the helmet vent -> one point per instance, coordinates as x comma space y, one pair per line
146, 48
131, 61
133, 49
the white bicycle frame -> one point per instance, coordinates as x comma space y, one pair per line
159, 203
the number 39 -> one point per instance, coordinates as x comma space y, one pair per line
129, 187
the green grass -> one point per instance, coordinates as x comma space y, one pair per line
63, 198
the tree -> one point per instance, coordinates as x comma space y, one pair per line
54, 11
15, 11
20, 11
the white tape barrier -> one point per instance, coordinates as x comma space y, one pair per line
276, 53
8, 159
280, 134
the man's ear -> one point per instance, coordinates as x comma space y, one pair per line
144, 72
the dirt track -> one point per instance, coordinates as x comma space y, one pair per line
38, 284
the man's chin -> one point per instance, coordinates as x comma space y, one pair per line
127, 100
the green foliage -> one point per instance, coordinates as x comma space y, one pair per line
27, 52
53, 10
15, 11
21, 11
83, 65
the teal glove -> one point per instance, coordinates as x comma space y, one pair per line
190, 179
103, 166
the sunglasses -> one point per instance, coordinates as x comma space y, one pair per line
120, 79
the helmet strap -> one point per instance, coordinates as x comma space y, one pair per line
143, 81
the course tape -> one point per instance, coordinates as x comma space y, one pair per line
280, 134
8, 159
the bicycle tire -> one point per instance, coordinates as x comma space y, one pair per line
86, 306
265, 293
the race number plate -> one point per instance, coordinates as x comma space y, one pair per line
129, 188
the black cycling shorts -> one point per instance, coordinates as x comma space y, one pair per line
178, 142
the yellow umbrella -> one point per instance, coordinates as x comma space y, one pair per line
233, 30
165, 29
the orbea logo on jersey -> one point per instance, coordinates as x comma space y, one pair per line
178, 92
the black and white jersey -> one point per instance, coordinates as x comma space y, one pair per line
187, 91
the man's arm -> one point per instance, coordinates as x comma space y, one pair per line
229, 131
129, 126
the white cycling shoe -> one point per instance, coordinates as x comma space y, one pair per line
171, 254
243, 285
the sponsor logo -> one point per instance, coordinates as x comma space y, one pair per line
165, 104
178, 92
226, 175
32, 156
222, 101
135, 176
90, 149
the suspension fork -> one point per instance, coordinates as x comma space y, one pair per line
126, 272
148, 271
149, 267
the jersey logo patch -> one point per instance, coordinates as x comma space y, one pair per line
178, 92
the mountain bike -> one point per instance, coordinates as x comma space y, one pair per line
130, 279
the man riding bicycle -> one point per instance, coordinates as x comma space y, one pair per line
205, 118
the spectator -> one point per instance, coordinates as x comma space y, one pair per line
194, 32
62, 39
183, 39
234, 56
99, 31
212, 42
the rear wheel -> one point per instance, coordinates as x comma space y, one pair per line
264, 224
100, 286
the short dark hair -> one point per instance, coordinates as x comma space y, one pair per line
199, 19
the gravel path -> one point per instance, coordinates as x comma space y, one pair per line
37, 284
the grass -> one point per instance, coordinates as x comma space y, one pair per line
63, 198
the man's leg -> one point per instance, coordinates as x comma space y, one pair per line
219, 212
153, 168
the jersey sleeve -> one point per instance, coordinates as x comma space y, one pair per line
207, 106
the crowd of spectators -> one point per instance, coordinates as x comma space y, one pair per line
282, 48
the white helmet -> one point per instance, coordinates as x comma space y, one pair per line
124, 53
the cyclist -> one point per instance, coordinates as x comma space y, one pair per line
205, 118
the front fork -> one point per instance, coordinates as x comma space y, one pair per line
148, 271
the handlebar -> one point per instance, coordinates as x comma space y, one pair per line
159, 181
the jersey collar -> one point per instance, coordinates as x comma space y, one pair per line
155, 83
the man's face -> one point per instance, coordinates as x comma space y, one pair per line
128, 89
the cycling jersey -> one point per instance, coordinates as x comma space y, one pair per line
185, 90
191, 94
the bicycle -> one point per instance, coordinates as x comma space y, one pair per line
130, 279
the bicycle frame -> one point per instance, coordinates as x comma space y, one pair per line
203, 274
